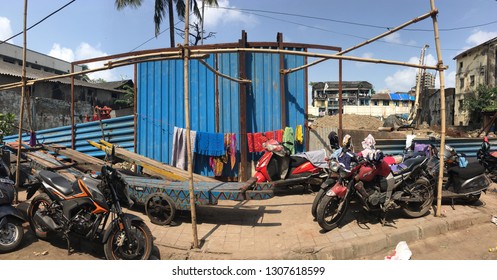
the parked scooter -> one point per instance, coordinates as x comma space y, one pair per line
379, 189
462, 180
11, 218
488, 159
278, 166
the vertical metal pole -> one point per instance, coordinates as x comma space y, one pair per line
340, 105
73, 132
243, 110
442, 108
135, 105
21, 106
187, 120
284, 123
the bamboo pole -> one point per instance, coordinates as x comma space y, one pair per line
308, 54
21, 106
223, 75
442, 108
390, 31
111, 65
186, 53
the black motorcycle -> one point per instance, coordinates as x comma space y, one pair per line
89, 209
488, 159
461, 181
11, 219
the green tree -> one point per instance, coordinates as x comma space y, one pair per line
128, 98
160, 11
484, 99
6, 124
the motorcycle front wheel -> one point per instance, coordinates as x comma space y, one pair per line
137, 246
423, 190
41, 203
331, 210
315, 203
11, 234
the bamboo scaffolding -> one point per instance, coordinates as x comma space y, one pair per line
223, 75
21, 104
442, 109
111, 64
433, 12
186, 53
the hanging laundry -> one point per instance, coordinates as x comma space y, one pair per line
279, 135
299, 135
255, 141
178, 155
232, 150
288, 139
210, 144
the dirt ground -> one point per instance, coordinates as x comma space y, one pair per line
358, 122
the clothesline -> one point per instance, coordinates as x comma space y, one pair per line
173, 126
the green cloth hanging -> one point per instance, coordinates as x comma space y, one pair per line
288, 139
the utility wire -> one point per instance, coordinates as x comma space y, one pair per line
340, 33
355, 23
43, 19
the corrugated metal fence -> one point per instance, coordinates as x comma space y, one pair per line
119, 131
318, 139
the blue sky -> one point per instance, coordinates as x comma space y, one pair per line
92, 28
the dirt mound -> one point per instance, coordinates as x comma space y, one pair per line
349, 121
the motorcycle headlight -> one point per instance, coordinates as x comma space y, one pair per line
334, 166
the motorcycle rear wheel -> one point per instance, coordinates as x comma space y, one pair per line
419, 209
331, 211
11, 235
41, 203
138, 248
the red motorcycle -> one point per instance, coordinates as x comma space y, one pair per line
276, 165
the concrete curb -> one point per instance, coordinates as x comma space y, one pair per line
376, 243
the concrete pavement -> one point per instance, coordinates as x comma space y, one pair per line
283, 228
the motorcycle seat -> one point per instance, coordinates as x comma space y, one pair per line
407, 165
470, 171
56, 181
297, 161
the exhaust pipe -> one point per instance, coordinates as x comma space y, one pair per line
46, 222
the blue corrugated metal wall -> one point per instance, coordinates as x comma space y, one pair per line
119, 131
162, 83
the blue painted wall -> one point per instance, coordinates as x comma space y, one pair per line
161, 101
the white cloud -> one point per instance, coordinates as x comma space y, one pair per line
5, 29
479, 37
393, 38
364, 55
61, 53
450, 80
403, 80
85, 51
215, 17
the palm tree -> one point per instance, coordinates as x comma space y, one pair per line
160, 11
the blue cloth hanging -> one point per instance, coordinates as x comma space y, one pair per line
210, 144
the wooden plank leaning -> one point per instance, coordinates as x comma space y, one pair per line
151, 167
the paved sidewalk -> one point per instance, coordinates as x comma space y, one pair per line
283, 228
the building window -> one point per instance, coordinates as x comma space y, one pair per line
386, 102
396, 103
460, 66
461, 105
461, 83
375, 103
472, 80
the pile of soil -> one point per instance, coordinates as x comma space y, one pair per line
349, 121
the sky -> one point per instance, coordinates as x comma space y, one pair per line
93, 28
